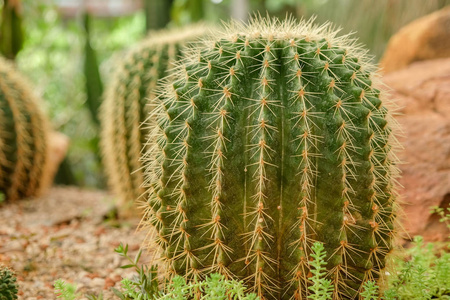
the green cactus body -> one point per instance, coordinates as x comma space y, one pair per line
8, 285
125, 108
271, 137
23, 137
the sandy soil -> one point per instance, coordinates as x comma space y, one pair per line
70, 234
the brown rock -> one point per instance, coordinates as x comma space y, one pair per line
423, 39
423, 93
57, 149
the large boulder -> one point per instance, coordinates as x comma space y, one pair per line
423, 93
423, 39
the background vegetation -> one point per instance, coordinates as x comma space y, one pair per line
69, 58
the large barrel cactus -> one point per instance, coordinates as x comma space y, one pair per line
125, 107
271, 137
23, 137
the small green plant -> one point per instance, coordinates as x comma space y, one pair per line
2, 197
214, 287
425, 276
444, 215
370, 291
65, 290
8, 284
144, 285
322, 288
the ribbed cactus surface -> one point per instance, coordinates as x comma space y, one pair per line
268, 138
23, 137
8, 285
127, 103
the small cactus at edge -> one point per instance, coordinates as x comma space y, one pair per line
124, 107
8, 285
268, 138
23, 137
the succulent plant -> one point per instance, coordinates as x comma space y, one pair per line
267, 138
125, 107
8, 285
23, 137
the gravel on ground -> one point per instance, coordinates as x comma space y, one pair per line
71, 234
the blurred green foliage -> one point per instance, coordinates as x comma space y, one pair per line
54, 50
53, 58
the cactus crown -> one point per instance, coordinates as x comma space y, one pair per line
23, 137
8, 285
124, 108
267, 138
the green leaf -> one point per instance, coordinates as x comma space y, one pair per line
119, 294
138, 256
127, 266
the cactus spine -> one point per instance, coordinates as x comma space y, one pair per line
23, 137
8, 285
270, 137
126, 106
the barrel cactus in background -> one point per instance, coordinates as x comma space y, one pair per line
23, 137
127, 103
268, 138
8, 285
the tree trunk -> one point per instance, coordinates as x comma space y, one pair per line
157, 13
11, 32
